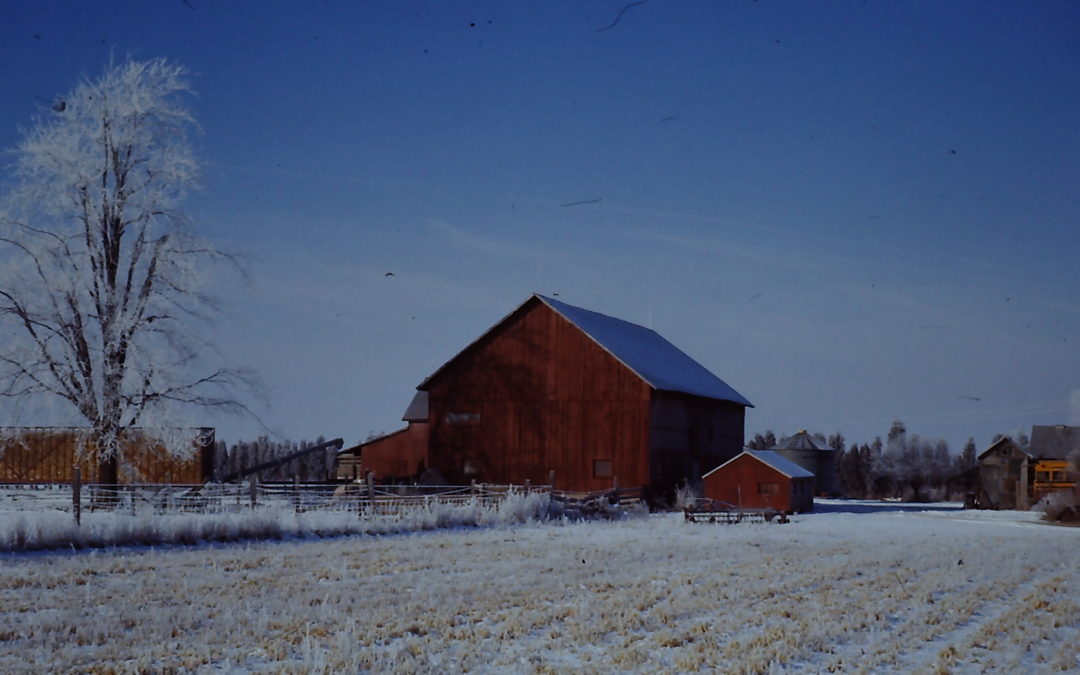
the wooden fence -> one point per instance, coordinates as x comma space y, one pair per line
363, 498
208, 498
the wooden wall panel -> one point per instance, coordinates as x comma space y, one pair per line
48, 455
548, 398
400, 455
738, 482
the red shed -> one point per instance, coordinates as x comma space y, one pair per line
553, 387
399, 455
762, 479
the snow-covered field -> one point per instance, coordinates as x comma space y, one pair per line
855, 587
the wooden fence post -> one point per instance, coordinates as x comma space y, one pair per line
472, 487
528, 485
76, 496
551, 479
296, 492
371, 488
253, 491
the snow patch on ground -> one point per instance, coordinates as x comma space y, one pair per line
850, 588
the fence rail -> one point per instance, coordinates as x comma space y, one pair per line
365, 498
362, 498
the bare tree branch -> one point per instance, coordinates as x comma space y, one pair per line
101, 299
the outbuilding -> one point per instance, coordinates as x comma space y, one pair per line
1014, 476
761, 479
813, 454
396, 456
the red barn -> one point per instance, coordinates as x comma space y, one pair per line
556, 388
762, 479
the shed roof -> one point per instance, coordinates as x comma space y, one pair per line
772, 460
656, 361
1054, 442
378, 439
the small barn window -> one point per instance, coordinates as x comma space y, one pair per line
768, 488
462, 418
601, 468
471, 467
1042, 476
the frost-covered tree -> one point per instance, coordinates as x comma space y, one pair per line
100, 298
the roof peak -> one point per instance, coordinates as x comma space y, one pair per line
654, 359
772, 460
641, 350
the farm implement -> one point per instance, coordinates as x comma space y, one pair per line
715, 511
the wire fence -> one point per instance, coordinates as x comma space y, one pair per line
364, 499
210, 498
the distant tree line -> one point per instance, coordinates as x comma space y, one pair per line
904, 466
317, 466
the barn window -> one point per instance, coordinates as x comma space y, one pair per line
462, 418
1058, 476
471, 467
1042, 476
768, 488
601, 468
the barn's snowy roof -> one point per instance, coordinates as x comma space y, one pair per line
650, 356
771, 459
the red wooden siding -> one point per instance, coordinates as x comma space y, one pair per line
741, 480
48, 455
536, 395
402, 454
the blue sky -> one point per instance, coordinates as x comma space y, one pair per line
849, 211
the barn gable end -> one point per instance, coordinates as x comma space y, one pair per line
536, 395
557, 392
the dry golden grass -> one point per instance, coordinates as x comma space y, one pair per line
830, 592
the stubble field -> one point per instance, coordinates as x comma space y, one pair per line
853, 588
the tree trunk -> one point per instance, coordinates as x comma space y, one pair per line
108, 470
109, 476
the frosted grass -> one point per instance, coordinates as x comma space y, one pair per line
892, 591
53, 529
